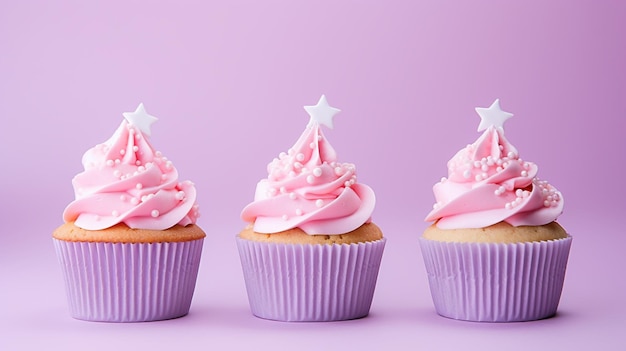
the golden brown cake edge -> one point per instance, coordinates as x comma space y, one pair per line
501, 232
121, 233
365, 233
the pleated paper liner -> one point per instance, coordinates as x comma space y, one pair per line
310, 283
489, 282
118, 282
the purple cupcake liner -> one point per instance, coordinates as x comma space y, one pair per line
310, 283
488, 282
129, 282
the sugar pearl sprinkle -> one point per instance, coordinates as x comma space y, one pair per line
551, 197
462, 166
299, 174
486, 167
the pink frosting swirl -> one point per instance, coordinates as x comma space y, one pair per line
125, 180
307, 188
488, 183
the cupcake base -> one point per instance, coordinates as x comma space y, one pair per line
129, 282
494, 282
310, 283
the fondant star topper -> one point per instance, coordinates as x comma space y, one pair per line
492, 116
140, 119
322, 113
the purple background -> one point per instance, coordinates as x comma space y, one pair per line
228, 79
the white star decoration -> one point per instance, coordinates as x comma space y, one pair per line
140, 119
492, 116
322, 113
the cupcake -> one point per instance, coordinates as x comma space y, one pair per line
495, 252
311, 251
129, 249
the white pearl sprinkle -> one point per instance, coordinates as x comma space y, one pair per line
298, 212
292, 196
110, 163
317, 172
123, 197
312, 145
139, 186
180, 195
300, 157
134, 201
310, 179
122, 152
524, 174
319, 203
115, 213
154, 213
467, 174
285, 217
117, 173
